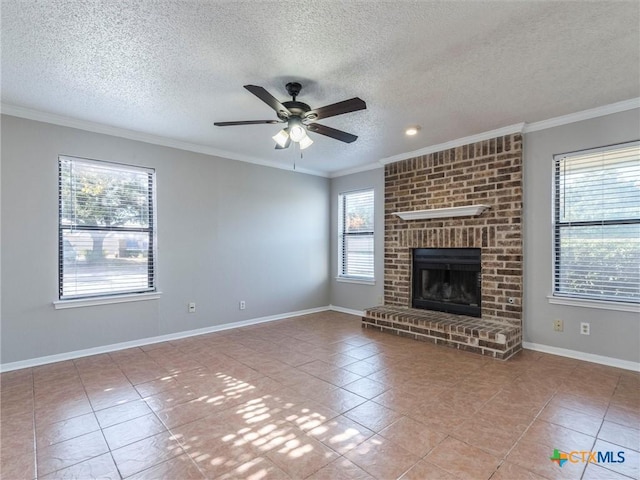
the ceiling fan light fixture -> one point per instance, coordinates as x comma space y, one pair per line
305, 142
297, 132
281, 138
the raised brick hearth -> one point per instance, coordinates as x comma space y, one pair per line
498, 340
488, 173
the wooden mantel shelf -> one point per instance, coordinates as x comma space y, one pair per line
466, 211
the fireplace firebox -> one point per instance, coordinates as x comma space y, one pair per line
447, 280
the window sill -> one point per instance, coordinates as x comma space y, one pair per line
581, 302
90, 302
361, 281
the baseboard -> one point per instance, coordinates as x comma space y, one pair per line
587, 357
34, 362
357, 313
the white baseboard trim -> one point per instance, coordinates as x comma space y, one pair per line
587, 357
357, 313
60, 357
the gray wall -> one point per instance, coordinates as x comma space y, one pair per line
613, 333
227, 231
351, 295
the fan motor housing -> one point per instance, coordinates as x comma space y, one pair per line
297, 109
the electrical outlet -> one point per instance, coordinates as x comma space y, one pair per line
558, 325
585, 328
192, 307
243, 305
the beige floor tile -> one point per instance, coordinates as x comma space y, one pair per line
413, 436
625, 436
462, 460
132, 430
511, 471
158, 385
629, 467
424, 470
22, 465
56, 412
170, 398
285, 399
341, 434
308, 414
113, 396
340, 400
66, 429
556, 436
595, 407
260, 468
381, 458
101, 467
400, 401
373, 415
623, 415
181, 467
301, 456
64, 454
572, 419
122, 413
536, 458
495, 434
596, 472
366, 387
341, 469
146, 453
361, 367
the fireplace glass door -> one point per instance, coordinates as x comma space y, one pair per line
447, 280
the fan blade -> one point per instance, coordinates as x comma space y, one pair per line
332, 132
286, 145
346, 106
245, 122
269, 99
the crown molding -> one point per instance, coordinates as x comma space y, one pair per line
63, 121
36, 115
499, 132
583, 115
361, 168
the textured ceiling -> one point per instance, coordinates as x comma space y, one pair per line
457, 68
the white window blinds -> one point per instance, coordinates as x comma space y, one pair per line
355, 228
597, 224
106, 228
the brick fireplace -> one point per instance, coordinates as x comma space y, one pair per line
485, 173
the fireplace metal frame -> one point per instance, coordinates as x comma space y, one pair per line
447, 259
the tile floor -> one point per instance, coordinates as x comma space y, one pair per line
316, 397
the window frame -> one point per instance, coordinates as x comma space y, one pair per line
342, 276
134, 294
568, 298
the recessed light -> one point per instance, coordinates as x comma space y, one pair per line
412, 130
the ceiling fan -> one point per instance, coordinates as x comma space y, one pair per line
300, 117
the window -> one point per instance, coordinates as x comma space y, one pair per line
355, 226
106, 228
597, 224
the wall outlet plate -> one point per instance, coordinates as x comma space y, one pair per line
243, 305
585, 328
192, 307
558, 325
